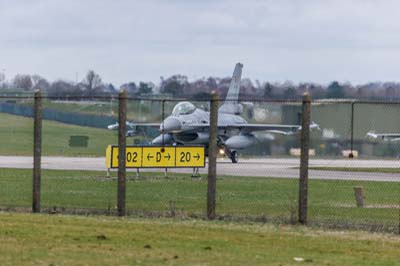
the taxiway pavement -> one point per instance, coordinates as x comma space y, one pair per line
265, 167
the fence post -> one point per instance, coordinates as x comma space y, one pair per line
351, 155
212, 156
37, 151
305, 145
121, 197
359, 195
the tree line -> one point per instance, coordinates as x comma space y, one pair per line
180, 86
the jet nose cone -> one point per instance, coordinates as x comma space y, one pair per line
171, 124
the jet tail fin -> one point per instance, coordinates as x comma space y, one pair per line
231, 104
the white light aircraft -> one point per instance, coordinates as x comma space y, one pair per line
392, 137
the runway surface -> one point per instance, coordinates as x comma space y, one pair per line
268, 167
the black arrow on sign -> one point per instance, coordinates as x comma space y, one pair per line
149, 157
168, 157
197, 156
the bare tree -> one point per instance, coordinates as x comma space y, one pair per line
130, 87
22, 81
2, 77
145, 88
38, 82
3, 82
92, 81
175, 85
62, 88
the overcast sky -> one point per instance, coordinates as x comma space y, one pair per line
308, 40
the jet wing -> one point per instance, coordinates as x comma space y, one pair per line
155, 125
248, 128
384, 136
270, 128
134, 125
277, 128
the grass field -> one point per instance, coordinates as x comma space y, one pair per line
359, 169
137, 110
16, 138
264, 199
27, 239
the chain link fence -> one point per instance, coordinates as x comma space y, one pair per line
354, 176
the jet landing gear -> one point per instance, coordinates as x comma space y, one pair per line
234, 157
231, 154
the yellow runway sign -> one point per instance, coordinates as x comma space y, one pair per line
133, 157
158, 156
190, 157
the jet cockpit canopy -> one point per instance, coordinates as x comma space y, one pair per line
183, 108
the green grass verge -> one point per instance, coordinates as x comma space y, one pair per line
358, 169
16, 138
330, 201
137, 110
28, 239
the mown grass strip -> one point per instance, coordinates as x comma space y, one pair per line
28, 239
358, 169
16, 138
264, 199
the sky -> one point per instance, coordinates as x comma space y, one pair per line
354, 41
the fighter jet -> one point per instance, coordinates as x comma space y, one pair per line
188, 124
392, 137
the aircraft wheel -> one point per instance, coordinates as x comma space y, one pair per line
234, 157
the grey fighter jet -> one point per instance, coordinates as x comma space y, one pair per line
190, 125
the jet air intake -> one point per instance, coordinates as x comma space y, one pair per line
171, 124
240, 141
